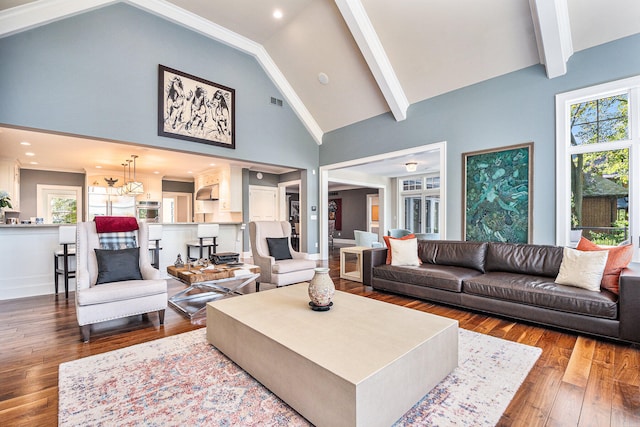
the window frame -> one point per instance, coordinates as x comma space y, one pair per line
424, 193
45, 191
564, 150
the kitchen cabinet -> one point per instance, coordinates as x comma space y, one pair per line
231, 192
229, 180
152, 188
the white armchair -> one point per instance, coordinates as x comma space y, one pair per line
366, 238
279, 272
107, 301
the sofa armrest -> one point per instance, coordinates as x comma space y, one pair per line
372, 258
629, 303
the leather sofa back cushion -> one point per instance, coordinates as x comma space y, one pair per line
447, 252
537, 260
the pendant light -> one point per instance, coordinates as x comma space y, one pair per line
134, 186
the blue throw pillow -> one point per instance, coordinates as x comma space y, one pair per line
279, 247
118, 265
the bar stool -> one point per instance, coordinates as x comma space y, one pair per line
67, 238
207, 238
155, 235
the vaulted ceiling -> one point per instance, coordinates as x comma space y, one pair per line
377, 56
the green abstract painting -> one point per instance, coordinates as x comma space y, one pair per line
497, 194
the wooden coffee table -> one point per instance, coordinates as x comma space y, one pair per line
207, 285
362, 363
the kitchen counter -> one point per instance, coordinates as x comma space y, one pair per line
28, 225
168, 223
26, 253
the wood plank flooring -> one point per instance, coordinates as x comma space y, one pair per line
578, 380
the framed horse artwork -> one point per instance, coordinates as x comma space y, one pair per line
195, 109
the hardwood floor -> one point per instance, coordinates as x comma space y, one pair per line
578, 380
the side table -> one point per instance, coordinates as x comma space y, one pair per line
354, 275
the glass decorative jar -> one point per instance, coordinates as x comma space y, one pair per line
321, 290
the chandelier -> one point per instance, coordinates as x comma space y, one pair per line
131, 186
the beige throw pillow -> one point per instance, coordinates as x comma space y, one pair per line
582, 269
404, 252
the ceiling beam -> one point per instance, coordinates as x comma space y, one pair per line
367, 39
553, 34
39, 13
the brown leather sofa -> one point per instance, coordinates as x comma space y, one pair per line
513, 280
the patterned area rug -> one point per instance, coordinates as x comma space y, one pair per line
182, 380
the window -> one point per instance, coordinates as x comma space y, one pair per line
597, 155
59, 204
421, 204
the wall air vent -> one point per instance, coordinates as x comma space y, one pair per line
276, 101
333, 193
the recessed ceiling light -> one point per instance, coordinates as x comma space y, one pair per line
29, 154
98, 167
189, 172
277, 14
33, 163
212, 164
25, 143
156, 172
323, 78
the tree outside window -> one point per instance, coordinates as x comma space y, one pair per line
600, 176
64, 210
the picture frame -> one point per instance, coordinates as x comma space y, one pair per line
195, 109
294, 210
496, 199
335, 212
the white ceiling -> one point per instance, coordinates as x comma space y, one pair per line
381, 55
82, 155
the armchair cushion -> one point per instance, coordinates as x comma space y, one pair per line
279, 248
118, 265
121, 291
289, 266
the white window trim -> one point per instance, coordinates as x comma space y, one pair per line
564, 151
42, 192
423, 193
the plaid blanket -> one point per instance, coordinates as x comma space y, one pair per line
121, 240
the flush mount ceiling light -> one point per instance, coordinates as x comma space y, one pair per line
411, 166
277, 14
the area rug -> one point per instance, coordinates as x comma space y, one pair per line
182, 380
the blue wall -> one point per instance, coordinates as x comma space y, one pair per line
511, 109
96, 75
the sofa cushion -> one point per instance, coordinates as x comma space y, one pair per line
448, 278
619, 258
447, 252
387, 241
542, 291
404, 252
537, 260
582, 269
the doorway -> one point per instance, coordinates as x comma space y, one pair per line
176, 207
373, 213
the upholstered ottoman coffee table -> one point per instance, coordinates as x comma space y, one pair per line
362, 363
